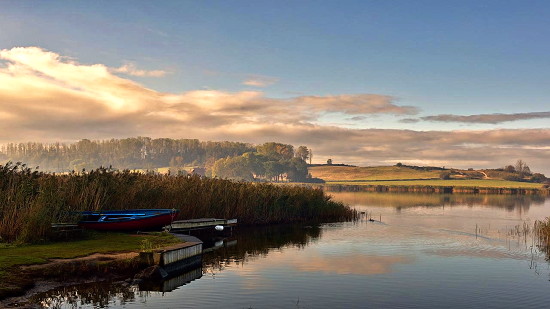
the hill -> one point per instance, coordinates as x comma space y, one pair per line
416, 176
354, 173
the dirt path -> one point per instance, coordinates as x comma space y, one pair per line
99, 257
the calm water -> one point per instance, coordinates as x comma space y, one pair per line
428, 251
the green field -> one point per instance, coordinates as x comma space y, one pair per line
405, 176
342, 173
480, 183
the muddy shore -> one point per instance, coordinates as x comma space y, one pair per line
30, 280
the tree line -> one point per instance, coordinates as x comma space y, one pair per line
237, 160
271, 161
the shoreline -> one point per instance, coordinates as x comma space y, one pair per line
99, 256
436, 189
38, 278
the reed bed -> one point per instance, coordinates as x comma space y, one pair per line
30, 201
542, 233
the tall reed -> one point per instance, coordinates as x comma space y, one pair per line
542, 233
30, 200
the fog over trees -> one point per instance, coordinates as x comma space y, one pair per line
269, 161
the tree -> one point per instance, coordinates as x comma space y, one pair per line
176, 165
522, 168
276, 151
273, 170
329, 162
233, 168
297, 169
302, 152
256, 163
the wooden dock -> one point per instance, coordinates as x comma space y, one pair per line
200, 224
174, 259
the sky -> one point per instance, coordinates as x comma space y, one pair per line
457, 84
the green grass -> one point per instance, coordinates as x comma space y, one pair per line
11, 255
481, 183
347, 173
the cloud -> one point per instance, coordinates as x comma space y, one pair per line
130, 69
46, 97
351, 264
260, 81
486, 118
355, 104
409, 120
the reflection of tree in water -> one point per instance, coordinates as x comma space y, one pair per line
508, 202
97, 294
402, 200
253, 242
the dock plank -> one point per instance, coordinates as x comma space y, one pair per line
203, 223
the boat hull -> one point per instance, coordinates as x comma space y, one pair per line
112, 221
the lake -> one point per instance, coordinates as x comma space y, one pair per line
422, 251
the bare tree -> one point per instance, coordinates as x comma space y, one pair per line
522, 168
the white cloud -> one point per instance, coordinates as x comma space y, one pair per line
46, 97
260, 81
132, 70
487, 118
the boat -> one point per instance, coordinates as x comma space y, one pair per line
127, 220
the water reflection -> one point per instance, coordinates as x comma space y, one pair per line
243, 245
432, 250
173, 282
255, 242
347, 264
97, 294
404, 200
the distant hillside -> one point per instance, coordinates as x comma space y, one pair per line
354, 173
333, 173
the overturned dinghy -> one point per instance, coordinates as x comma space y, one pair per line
127, 220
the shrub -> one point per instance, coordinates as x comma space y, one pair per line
513, 177
538, 177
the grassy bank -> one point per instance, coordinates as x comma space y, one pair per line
481, 183
13, 280
30, 201
11, 255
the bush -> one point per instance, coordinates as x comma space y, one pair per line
538, 177
513, 177
445, 175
